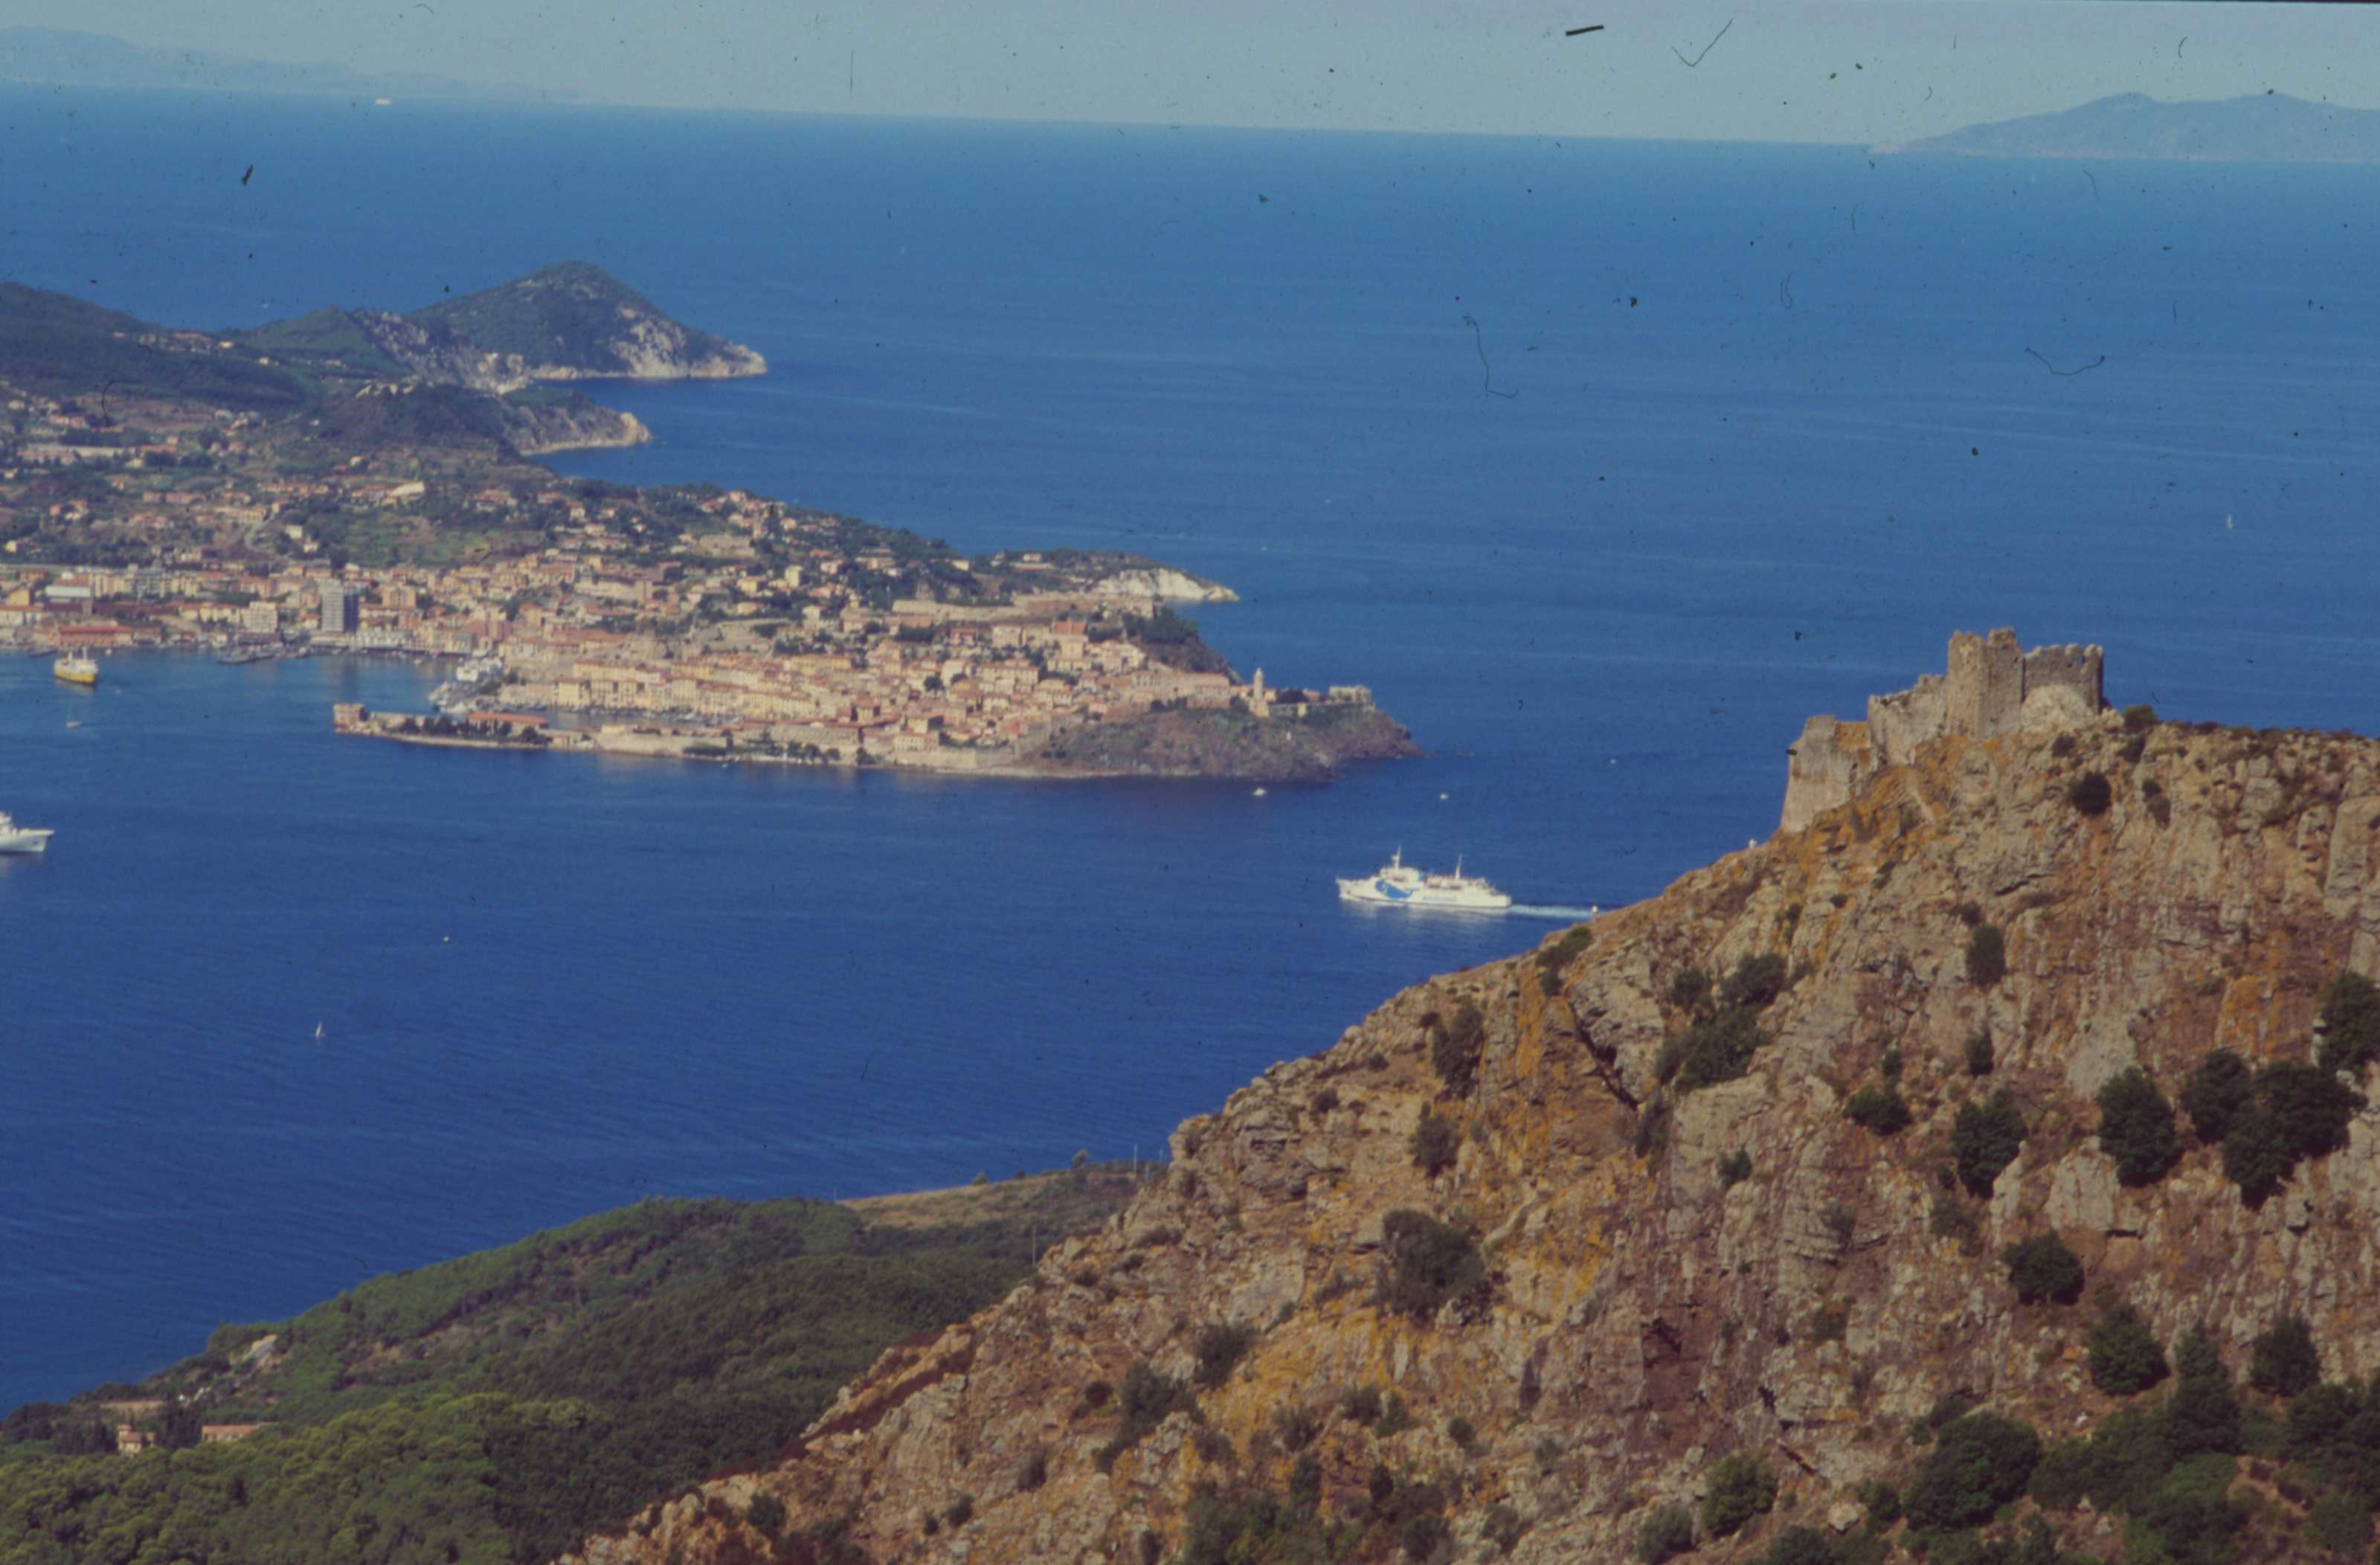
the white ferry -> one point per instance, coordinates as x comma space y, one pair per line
22, 839
1399, 884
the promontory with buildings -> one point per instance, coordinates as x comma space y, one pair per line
356, 482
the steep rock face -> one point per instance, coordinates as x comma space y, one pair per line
1643, 1317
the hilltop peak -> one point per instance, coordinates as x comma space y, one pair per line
2268, 127
574, 321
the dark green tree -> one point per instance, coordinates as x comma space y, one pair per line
1668, 1531
2311, 1104
2219, 1089
2043, 1267
2090, 793
1756, 981
1741, 1487
1435, 1142
2256, 1153
2125, 1357
1986, 956
2136, 1127
1879, 1109
2350, 1023
2284, 1360
1985, 1138
1979, 1463
180, 1427
2205, 1413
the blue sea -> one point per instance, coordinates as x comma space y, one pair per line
1603, 463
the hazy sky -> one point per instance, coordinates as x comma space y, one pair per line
1832, 70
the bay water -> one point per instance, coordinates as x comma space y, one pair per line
1603, 463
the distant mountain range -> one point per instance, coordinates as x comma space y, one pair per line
66, 57
2268, 127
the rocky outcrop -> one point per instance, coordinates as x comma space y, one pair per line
1640, 1313
1165, 585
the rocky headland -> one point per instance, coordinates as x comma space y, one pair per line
1693, 1228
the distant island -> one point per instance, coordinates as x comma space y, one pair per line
68, 57
2266, 127
356, 480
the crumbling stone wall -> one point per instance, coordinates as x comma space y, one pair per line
1992, 686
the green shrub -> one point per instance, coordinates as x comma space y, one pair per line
2217, 1091
1454, 1049
1879, 1109
766, 1513
2125, 1358
1429, 1264
2284, 1360
2136, 1127
1035, 1471
1882, 1502
2205, 1413
1305, 1481
1953, 1218
2311, 1105
2257, 1154
1985, 1138
1296, 1426
1979, 1463
2350, 1023
2139, 718
960, 1511
2341, 1526
1362, 1404
2063, 1479
1755, 982
1459, 1430
1689, 989
2090, 794
1826, 1323
1220, 1349
1435, 1142
1424, 1535
1740, 1489
1667, 1532
2192, 1512
1503, 1526
1149, 1398
2043, 1267
1979, 1052
1716, 1049
1986, 956
1799, 1544
2321, 1417
1552, 960
1734, 1169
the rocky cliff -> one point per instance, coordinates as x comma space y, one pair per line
1517, 1259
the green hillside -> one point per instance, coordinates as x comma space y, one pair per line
569, 315
55, 345
501, 1406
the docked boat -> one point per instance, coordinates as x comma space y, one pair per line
22, 839
76, 668
1399, 884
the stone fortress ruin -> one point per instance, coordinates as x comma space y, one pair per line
1993, 686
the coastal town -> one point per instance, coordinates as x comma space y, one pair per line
689, 621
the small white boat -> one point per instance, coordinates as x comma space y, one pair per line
1399, 884
317, 1032
1255, 793
22, 838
